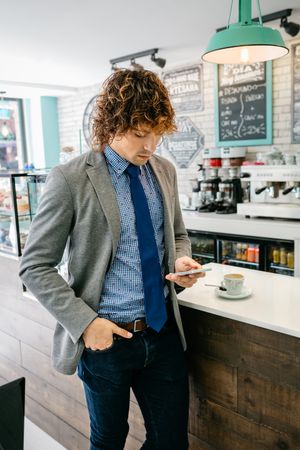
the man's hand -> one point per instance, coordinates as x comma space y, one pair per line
98, 335
181, 265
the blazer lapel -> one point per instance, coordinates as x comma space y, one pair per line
162, 181
100, 178
167, 195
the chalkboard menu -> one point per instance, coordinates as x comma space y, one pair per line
296, 94
244, 104
185, 86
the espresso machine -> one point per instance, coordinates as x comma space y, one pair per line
274, 191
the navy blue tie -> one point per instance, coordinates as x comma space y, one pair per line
155, 305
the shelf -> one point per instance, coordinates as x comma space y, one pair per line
5, 212
203, 255
7, 248
10, 213
7, 142
9, 254
240, 261
273, 266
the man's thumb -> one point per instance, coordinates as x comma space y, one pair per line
121, 332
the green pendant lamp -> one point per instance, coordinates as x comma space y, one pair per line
245, 42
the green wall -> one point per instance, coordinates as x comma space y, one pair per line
50, 130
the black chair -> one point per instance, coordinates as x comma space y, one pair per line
12, 409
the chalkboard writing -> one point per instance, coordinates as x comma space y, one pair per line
185, 88
296, 94
243, 106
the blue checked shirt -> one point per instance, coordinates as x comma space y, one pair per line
122, 297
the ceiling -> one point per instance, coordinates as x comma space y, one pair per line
69, 42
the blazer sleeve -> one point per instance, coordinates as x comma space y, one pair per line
43, 251
182, 241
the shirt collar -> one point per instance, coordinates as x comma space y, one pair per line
116, 161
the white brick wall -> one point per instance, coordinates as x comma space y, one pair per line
71, 110
70, 113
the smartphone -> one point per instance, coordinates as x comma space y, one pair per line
191, 272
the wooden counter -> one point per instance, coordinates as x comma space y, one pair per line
244, 376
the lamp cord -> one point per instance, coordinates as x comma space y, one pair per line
230, 14
258, 9
259, 12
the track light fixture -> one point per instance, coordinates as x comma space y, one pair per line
290, 28
160, 62
114, 68
135, 65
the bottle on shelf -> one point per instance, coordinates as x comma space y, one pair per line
256, 253
251, 253
244, 252
290, 260
283, 259
225, 249
196, 201
232, 249
276, 255
229, 249
239, 251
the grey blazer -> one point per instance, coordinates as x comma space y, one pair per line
79, 207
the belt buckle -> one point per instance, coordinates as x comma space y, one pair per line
134, 324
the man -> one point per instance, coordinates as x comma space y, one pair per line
117, 210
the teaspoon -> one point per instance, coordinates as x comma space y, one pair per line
215, 285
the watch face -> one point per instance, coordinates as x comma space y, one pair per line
87, 120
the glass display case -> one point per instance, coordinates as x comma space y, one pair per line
203, 247
241, 253
277, 256
35, 184
280, 258
19, 196
14, 212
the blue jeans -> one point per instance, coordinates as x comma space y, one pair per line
154, 366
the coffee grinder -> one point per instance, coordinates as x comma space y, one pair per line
230, 188
210, 181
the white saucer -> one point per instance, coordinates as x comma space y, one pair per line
245, 293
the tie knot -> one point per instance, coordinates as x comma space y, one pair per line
133, 171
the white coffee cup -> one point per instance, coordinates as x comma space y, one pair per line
233, 283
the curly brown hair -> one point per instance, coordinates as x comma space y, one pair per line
131, 99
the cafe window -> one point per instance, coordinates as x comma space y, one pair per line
12, 136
